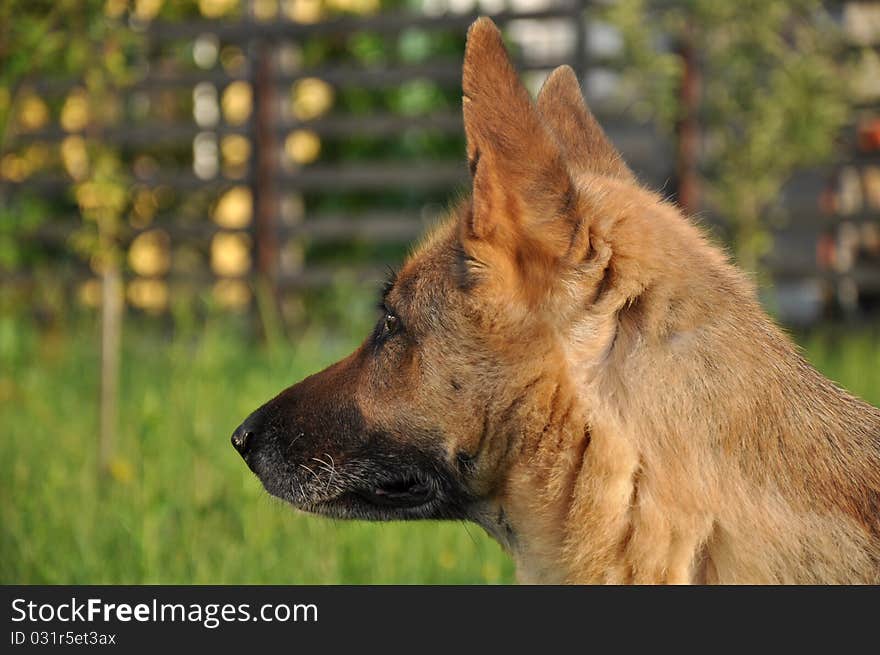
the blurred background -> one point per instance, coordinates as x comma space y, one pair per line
199, 199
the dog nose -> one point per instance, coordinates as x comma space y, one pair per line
243, 439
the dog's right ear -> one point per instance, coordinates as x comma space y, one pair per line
585, 146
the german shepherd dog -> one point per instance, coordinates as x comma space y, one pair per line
568, 362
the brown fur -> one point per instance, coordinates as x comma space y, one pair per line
593, 376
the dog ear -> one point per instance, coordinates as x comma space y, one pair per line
585, 147
521, 185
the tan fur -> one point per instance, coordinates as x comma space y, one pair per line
579, 370
670, 432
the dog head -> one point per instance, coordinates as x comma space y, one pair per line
489, 329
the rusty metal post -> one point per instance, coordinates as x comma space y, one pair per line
581, 53
688, 128
264, 172
266, 167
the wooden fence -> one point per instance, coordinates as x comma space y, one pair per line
236, 152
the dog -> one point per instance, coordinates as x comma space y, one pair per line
568, 362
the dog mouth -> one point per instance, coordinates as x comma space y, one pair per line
401, 500
354, 486
405, 497
405, 492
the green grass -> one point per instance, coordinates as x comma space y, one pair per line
180, 506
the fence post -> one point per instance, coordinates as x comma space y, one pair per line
266, 167
688, 127
581, 53
263, 182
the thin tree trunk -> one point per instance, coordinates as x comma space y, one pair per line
111, 341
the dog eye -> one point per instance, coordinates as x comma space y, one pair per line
390, 325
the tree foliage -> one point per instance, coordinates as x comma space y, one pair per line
773, 95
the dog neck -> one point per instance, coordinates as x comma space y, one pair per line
675, 462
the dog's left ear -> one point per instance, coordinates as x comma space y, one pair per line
523, 199
585, 146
